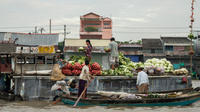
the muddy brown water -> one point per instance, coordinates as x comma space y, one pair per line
46, 106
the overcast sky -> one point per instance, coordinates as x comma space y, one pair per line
132, 19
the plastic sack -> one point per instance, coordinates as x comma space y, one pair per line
57, 74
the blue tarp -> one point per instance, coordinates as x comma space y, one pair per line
176, 66
133, 58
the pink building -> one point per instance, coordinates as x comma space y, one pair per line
93, 26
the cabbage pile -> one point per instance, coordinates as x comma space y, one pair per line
155, 65
81, 49
182, 71
126, 67
151, 66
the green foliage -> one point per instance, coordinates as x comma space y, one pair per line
91, 29
191, 36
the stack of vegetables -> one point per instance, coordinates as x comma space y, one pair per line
126, 67
81, 49
158, 66
152, 66
75, 65
95, 69
67, 69
182, 71
72, 69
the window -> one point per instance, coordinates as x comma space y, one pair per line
91, 19
169, 48
40, 59
92, 24
5, 59
107, 27
152, 50
20, 60
30, 60
106, 23
50, 60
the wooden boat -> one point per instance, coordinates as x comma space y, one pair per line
182, 100
7, 96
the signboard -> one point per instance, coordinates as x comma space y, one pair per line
26, 50
46, 49
34, 50
22, 49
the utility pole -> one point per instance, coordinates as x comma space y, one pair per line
50, 26
191, 36
64, 38
64, 32
35, 29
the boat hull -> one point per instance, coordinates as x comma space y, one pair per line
178, 101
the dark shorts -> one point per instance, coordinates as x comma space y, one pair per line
82, 84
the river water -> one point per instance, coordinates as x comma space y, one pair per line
46, 106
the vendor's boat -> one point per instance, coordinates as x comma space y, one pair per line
170, 100
7, 96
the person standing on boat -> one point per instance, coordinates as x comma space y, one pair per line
84, 78
88, 50
142, 81
114, 56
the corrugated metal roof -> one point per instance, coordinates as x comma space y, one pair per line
175, 40
81, 42
151, 43
130, 45
31, 39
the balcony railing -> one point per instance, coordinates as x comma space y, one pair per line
90, 33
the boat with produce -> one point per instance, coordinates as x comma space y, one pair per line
125, 99
126, 67
163, 78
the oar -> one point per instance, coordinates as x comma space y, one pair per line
81, 94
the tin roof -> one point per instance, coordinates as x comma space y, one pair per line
130, 45
81, 42
184, 41
31, 39
152, 44
91, 13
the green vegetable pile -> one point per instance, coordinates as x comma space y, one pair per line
79, 59
126, 67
